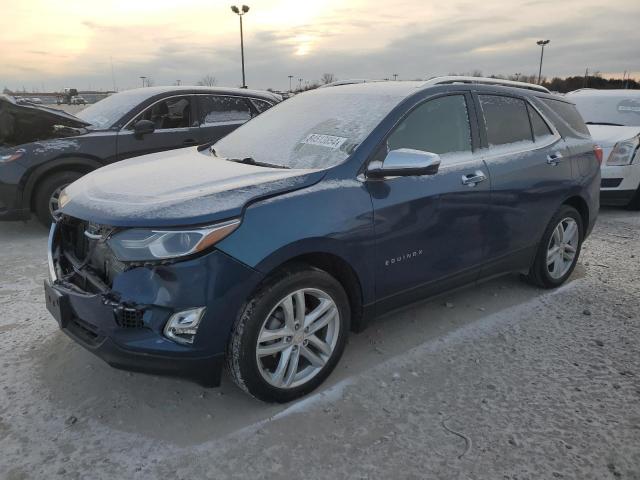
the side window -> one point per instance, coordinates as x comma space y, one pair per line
438, 126
261, 105
540, 128
218, 108
569, 116
173, 112
506, 119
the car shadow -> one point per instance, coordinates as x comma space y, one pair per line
183, 413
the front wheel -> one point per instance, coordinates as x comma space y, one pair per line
46, 202
634, 204
290, 335
559, 249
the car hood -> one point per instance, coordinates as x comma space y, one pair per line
24, 123
608, 135
176, 188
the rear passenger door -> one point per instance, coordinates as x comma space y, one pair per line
530, 170
219, 115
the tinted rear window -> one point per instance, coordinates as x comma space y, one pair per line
568, 115
506, 119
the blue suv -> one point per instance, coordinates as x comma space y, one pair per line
262, 251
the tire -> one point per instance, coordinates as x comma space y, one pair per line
45, 190
634, 204
541, 273
251, 372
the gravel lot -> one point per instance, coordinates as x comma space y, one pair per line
499, 381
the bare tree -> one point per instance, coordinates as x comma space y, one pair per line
327, 78
208, 81
149, 82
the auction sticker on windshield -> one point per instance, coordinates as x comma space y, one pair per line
328, 141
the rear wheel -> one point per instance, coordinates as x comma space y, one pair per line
290, 335
47, 195
559, 249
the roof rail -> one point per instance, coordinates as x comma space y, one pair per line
349, 81
485, 81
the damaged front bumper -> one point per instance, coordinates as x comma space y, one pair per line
123, 323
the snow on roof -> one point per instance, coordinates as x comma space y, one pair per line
615, 92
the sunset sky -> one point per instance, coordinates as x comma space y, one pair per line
53, 44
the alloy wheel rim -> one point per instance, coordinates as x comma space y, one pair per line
297, 338
562, 248
54, 201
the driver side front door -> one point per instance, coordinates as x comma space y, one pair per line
175, 127
430, 230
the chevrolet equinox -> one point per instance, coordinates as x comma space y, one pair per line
262, 251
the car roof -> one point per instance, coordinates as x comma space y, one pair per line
149, 92
405, 88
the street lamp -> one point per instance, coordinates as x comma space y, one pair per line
395, 76
290, 77
542, 43
143, 79
240, 12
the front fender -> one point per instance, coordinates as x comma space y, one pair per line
332, 217
84, 164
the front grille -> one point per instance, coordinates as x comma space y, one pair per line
610, 182
127, 317
92, 253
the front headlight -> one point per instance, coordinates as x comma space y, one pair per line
139, 245
623, 152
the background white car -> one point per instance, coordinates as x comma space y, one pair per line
613, 118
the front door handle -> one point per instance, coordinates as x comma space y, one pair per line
473, 179
554, 158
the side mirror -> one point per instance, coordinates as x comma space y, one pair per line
143, 127
405, 162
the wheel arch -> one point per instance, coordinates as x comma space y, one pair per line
335, 265
80, 164
582, 207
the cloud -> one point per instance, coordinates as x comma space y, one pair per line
371, 39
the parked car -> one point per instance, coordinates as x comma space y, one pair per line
42, 150
78, 100
265, 250
613, 118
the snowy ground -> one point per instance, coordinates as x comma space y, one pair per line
500, 381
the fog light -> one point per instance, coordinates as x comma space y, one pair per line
182, 326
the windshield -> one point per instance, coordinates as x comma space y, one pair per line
105, 113
609, 109
315, 130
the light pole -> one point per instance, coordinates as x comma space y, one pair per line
143, 79
542, 43
299, 84
290, 77
240, 12
395, 76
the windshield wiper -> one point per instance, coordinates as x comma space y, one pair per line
605, 123
251, 161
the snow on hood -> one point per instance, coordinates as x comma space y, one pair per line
179, 187
608, 135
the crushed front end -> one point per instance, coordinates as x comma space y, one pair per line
124, 312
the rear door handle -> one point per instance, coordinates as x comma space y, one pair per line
473, 179
554, 158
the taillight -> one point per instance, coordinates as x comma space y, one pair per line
597, 150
